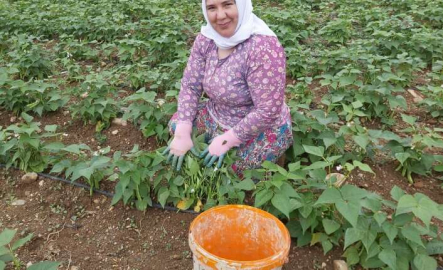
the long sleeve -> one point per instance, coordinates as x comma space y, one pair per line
266, 79
191, 83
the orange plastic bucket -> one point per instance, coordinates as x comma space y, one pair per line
235, 237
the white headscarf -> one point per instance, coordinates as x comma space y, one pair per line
248, 24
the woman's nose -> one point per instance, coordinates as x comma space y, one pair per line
221, 14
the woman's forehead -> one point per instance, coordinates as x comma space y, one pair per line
217, 2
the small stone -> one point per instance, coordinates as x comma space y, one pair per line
74, 268
66, 113
28, 264
340, 178
29, 177
13, 119
417, 97
340, 265
323, 265
176, 257
115, 132
96, 201
27, 193
103, 64
87, 258
41, 183
120, 122
18, 202
419, 184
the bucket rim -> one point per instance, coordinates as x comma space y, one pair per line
277, 258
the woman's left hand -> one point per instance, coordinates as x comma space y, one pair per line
218, 148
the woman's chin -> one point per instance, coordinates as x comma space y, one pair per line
226, 33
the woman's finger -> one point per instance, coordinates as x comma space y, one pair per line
202, 154
166, 150
220, 161
174, 161
180, 162
213, 159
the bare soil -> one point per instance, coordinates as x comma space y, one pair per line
84, 232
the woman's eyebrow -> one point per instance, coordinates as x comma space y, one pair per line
223, 3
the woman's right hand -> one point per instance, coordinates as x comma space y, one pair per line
180, 145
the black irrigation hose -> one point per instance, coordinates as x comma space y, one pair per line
102, 192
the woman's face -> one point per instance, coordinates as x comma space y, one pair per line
223, 16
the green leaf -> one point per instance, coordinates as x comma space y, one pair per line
380, 217
391, 231
316, 165
438, 168
347, 80
21, 242
389, 257
54, 146
314, 150
397, 193
179, 180
350, 211
425, 209
402, 157
246, 184
357, 104
288, 190
362, 166
424, 262
263, 197
45, 266
406, 204
330, 195
353, 193
330, 226
352, 235
361, 140
408, 119
327, 246
352, 256
412, 234
434, 247
51, 128
281, 202
6, 236
27, 117
397, 101
163, 195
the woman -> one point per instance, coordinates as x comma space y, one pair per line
240, 65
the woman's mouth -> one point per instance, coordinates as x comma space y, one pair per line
224, 25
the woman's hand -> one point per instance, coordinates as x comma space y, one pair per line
218, 148
180, 145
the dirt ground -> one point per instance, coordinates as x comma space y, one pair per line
84, 232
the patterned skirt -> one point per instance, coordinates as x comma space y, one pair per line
268, 145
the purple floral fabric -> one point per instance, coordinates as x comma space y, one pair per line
245, 89
268, 145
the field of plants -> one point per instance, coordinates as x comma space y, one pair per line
87, 89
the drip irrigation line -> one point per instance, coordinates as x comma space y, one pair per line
102, 192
